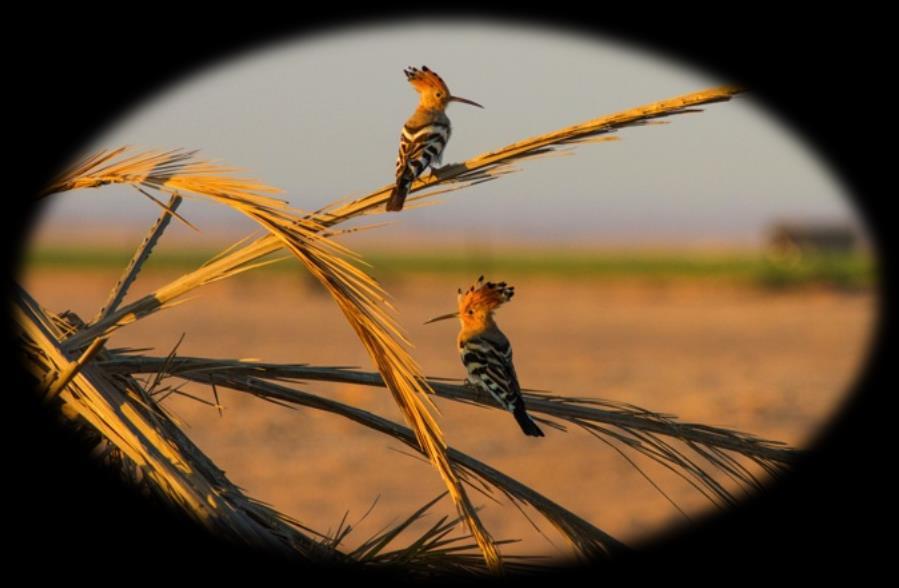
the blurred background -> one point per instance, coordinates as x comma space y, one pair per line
710, 267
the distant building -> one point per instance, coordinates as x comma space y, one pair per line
812, 237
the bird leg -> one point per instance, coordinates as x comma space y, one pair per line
441, 171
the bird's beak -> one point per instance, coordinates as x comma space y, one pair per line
465, 100
443, 317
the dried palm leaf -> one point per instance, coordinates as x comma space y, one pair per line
360, 298
630, 427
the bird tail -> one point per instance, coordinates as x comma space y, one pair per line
527, 424
397, 197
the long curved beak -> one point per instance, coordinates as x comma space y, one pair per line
443, 317
465, 100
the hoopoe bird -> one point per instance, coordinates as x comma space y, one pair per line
486, 352
425, 134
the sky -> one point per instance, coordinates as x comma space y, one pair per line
319, 116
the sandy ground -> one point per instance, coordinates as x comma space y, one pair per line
774, 364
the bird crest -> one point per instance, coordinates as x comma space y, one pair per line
426, 80
484, 295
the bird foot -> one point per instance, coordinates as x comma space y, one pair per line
440, 172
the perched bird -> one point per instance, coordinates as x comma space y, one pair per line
486, 352
425, 134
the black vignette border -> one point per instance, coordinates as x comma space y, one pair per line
825, 74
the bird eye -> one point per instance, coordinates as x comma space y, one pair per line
439, 94
471, 312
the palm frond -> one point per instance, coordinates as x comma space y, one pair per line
623, 426
139, 258
433, 549
171, 171
149, 448
134, 435
487, 166
360, 298
588, 541
363, 304
495, 162
568, 408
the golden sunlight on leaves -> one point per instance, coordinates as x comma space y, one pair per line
105, 395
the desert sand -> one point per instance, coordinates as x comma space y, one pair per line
776, 364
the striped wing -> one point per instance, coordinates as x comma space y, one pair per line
419, 148
489, 366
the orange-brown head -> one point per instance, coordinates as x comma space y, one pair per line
477, 304
433, 91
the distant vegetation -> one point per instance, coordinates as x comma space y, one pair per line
841, 270
849, 270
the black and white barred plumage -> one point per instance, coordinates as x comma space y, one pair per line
420, 147
425, 134
486, 352
488, 359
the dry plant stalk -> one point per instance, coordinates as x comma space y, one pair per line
360, 298
115, 406
475, 170
117, 294
356, 293
588, 541
632, 427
